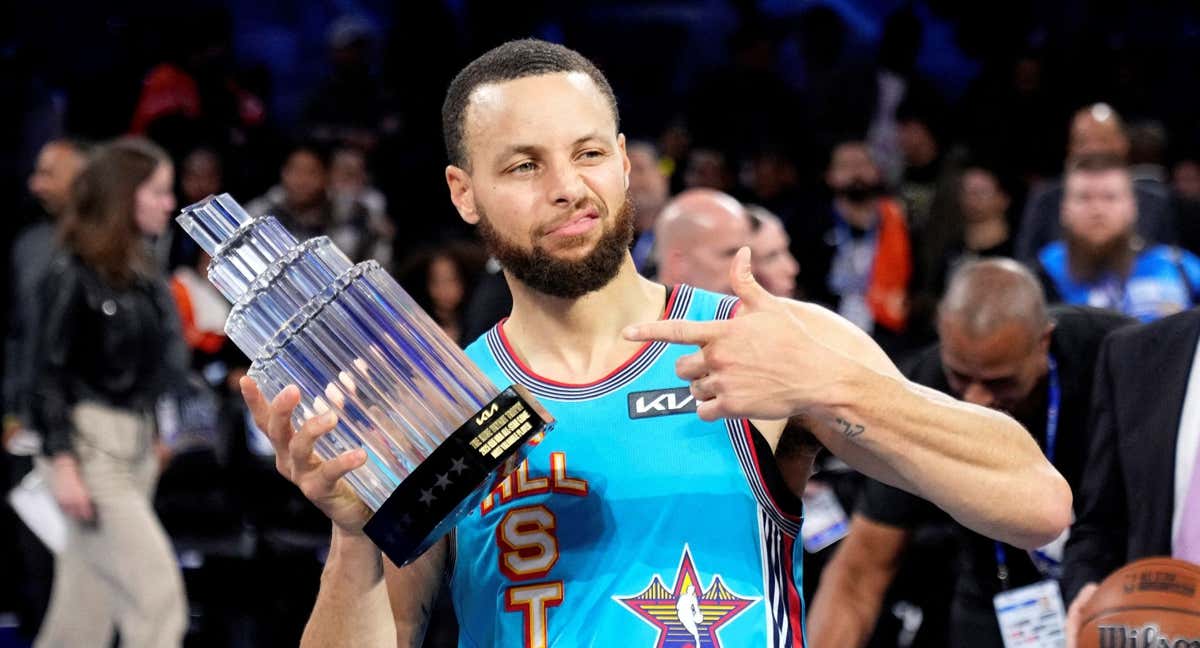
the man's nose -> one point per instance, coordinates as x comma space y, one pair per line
977, 394
567, 186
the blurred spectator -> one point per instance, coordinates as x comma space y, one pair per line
984, 205
351, 191
1140, 494
1011, 114
201, 175
771, 256
999, 348
490, 302
857, 258
844, 92
774, 183
745, 102
1097, 129
195, 95
441, 281
649, 189
1185, 178
202, 314
350, 105
896, 84
302, 203
1101, 261
974, 225
709, 169
58, 164
923, 161
697, 236
33, 250
1185, 194
1148, 155
109, 347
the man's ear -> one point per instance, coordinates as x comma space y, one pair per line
626, 165
1044, 342
462, 194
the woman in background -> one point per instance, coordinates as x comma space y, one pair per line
441, 281
109, 347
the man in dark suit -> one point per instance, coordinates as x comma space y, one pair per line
1140, 494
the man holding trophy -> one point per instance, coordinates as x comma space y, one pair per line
655, 513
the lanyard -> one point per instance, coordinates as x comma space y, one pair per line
1055, 400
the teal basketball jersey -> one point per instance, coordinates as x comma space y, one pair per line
632, 523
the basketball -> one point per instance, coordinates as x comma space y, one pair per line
1151, 603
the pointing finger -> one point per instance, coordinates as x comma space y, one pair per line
676, 331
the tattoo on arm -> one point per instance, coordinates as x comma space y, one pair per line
850, 430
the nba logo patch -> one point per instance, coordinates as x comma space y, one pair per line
687, 615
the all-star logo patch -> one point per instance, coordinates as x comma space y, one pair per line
661, 402
687, 614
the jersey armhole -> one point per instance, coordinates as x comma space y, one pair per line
782, 497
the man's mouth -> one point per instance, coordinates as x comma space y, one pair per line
579, 222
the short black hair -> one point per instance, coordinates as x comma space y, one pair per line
314, 147
512, 60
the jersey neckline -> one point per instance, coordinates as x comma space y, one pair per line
676, 308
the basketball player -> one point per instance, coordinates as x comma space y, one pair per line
639, 499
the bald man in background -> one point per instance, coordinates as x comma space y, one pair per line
696, 237
772, 260
1000, 347
58, 162
1095, 129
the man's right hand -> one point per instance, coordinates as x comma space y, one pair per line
1075, 612
320, 481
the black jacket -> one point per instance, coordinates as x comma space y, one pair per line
119, 346
1124, 504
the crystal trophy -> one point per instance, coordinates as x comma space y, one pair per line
437, 432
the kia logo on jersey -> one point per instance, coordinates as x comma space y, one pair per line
661, 402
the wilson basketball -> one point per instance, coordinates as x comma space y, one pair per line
1151, 603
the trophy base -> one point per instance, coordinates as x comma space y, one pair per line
457, 475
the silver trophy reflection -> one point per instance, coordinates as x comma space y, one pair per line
436, 431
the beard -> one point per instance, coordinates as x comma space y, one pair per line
1088, 261
539, 269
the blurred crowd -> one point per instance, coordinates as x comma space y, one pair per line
880, 171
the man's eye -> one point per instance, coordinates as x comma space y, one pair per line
524, 167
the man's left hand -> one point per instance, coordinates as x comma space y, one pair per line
763, 364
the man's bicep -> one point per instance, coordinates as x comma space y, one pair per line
412, 591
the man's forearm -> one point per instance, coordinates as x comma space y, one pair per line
352, 606
978, 465
846, 606
841, 616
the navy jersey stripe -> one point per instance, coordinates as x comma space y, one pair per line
515, 372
